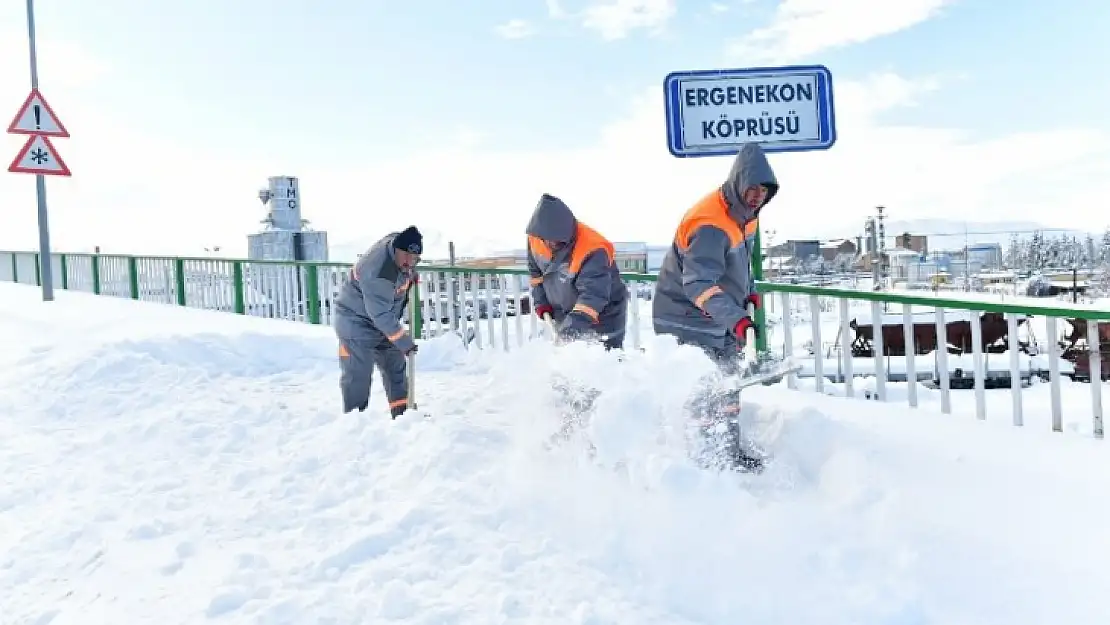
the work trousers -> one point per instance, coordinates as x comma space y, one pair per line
357, 361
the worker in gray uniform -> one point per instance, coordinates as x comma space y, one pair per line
705, 285
368, 314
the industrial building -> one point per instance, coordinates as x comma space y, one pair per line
286, 235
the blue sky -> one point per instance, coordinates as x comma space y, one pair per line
456, 115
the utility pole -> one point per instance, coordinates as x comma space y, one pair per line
872, 233
882, 244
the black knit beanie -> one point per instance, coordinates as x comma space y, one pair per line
409, 240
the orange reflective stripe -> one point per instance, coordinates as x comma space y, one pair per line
711, 210
343, 353
706, 294
393, 338
750, 228
586, 242
536, 281
398, 403
538, 247
582, 308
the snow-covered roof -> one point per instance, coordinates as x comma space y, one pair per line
630, 247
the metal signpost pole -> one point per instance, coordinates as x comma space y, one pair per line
47, 267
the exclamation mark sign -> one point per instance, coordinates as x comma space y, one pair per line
38, 117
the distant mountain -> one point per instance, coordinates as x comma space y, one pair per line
949, 234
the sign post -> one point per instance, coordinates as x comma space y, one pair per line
715, 112
38, 156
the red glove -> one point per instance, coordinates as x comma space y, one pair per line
544, 309
742, 327
756, 299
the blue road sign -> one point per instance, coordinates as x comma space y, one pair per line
715, 112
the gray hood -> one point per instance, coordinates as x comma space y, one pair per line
552, 220
750, 167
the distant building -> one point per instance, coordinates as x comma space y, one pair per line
899, 260
838, 248
632, 256
986, 254
286, 235
915, 242
801, 250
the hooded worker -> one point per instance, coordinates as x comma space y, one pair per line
705, 282
574, 275
368, 324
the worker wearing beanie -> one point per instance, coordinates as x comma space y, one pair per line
368, 314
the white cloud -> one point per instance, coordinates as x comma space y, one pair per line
802, 28
515, 29
617, 19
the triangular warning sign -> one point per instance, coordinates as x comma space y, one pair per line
36, 117
38, 156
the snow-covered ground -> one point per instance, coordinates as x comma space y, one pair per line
166, 465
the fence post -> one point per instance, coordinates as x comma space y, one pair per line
312, 285
133, 276
415, 313
65, 271
38, 269
15, 267
237, 284
757, 275
179, 280
95, 262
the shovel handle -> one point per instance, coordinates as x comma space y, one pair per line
410, 369
750, 354
550, 326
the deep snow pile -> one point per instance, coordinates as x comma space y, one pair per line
169, 466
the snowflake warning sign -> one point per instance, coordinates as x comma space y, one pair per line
38, 156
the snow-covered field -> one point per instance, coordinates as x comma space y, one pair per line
166, 465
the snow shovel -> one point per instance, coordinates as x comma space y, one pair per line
412, 380
550, 326
411, 367
750, 354
755, 372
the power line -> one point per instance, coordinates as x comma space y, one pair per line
961, 233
